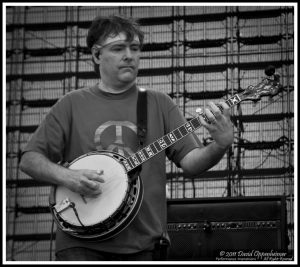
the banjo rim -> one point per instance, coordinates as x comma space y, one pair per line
122, 216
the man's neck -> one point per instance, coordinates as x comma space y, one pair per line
113, 89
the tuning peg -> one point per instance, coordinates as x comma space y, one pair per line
270, 70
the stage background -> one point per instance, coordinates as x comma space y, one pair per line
195, 54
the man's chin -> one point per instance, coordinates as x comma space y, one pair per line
127, 77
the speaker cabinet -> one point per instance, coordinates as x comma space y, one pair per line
200, 229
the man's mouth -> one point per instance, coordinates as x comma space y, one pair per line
127, 66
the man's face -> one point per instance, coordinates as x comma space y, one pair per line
119, 60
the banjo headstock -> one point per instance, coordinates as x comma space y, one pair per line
269, 86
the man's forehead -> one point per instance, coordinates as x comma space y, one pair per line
120, 37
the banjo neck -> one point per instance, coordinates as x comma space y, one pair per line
267, 87
171, 138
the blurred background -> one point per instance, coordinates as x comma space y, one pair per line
195, 54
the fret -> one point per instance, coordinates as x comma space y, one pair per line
167, 140
132, 162
162, 143
141, 155
183, 130
189, 127
235, 100
136, 162
172, 137
145, 153
138, 158
195, 122
177, 133
157, 146
153, 148
149, 151
127, 165
229, 103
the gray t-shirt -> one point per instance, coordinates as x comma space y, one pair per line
87, 120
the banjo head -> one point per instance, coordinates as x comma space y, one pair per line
90, 210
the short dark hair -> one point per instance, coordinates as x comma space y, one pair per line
103, 27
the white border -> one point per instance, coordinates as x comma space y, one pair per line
295, 5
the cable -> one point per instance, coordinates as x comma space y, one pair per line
51, 239
72, 205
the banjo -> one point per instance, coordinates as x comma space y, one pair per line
108, 214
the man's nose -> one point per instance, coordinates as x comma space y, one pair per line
128, 53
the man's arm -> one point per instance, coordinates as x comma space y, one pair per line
40, 168
201, 159
221, 130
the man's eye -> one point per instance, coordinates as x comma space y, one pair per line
135, 48
117, 48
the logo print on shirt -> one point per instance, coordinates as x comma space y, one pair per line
118, 145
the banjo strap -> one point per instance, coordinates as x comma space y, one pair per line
162, 243
142, 116
141, 113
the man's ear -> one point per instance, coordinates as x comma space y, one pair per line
96, 56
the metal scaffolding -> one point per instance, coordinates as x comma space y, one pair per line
195, 54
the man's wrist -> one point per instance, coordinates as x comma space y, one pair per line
220, 147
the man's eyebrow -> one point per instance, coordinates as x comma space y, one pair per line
124, 44
115, 44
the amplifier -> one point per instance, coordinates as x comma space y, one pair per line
200, 229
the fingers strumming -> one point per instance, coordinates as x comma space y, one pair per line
95, 175
90, 184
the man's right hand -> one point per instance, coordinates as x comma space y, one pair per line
86, 182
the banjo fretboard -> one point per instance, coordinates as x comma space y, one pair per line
169, 139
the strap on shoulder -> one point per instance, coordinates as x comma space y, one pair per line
142, 114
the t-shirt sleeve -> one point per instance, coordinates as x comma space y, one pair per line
177, 151
52, 134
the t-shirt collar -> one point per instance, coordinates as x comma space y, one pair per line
112, 96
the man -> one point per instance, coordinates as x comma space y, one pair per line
104, 117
